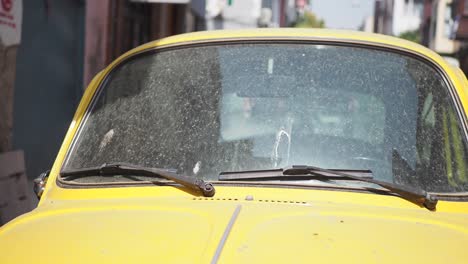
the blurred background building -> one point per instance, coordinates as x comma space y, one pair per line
440, 25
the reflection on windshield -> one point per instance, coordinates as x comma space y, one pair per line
259, 106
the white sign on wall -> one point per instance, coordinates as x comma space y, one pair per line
11, 14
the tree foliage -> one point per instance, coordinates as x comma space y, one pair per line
411, 35
309, 20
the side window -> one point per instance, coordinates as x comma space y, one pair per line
438, 120
427, 125
455, 158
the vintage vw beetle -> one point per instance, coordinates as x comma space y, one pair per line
259, 146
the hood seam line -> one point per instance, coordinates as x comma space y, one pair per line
228, 229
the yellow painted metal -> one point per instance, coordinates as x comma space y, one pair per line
148, 224
168, 224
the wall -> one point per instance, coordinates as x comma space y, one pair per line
409, 14
7, 78
440, 28
48, 82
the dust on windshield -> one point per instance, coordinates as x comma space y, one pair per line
203, 110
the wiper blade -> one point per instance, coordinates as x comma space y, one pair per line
279, 174
417, 196
110, 169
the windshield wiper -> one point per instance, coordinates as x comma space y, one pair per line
417, 196
111, 169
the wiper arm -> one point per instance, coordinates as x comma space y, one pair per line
417, 196
110, 169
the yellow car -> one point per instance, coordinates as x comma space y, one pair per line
259, 146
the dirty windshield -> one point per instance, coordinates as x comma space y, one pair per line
200, 111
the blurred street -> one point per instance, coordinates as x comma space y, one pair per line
50, 50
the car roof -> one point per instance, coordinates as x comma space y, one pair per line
305, 33
293, 33
314, 34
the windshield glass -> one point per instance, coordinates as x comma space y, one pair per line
203, 110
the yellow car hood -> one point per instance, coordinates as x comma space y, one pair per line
233, 230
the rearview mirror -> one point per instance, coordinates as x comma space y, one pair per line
39, 183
